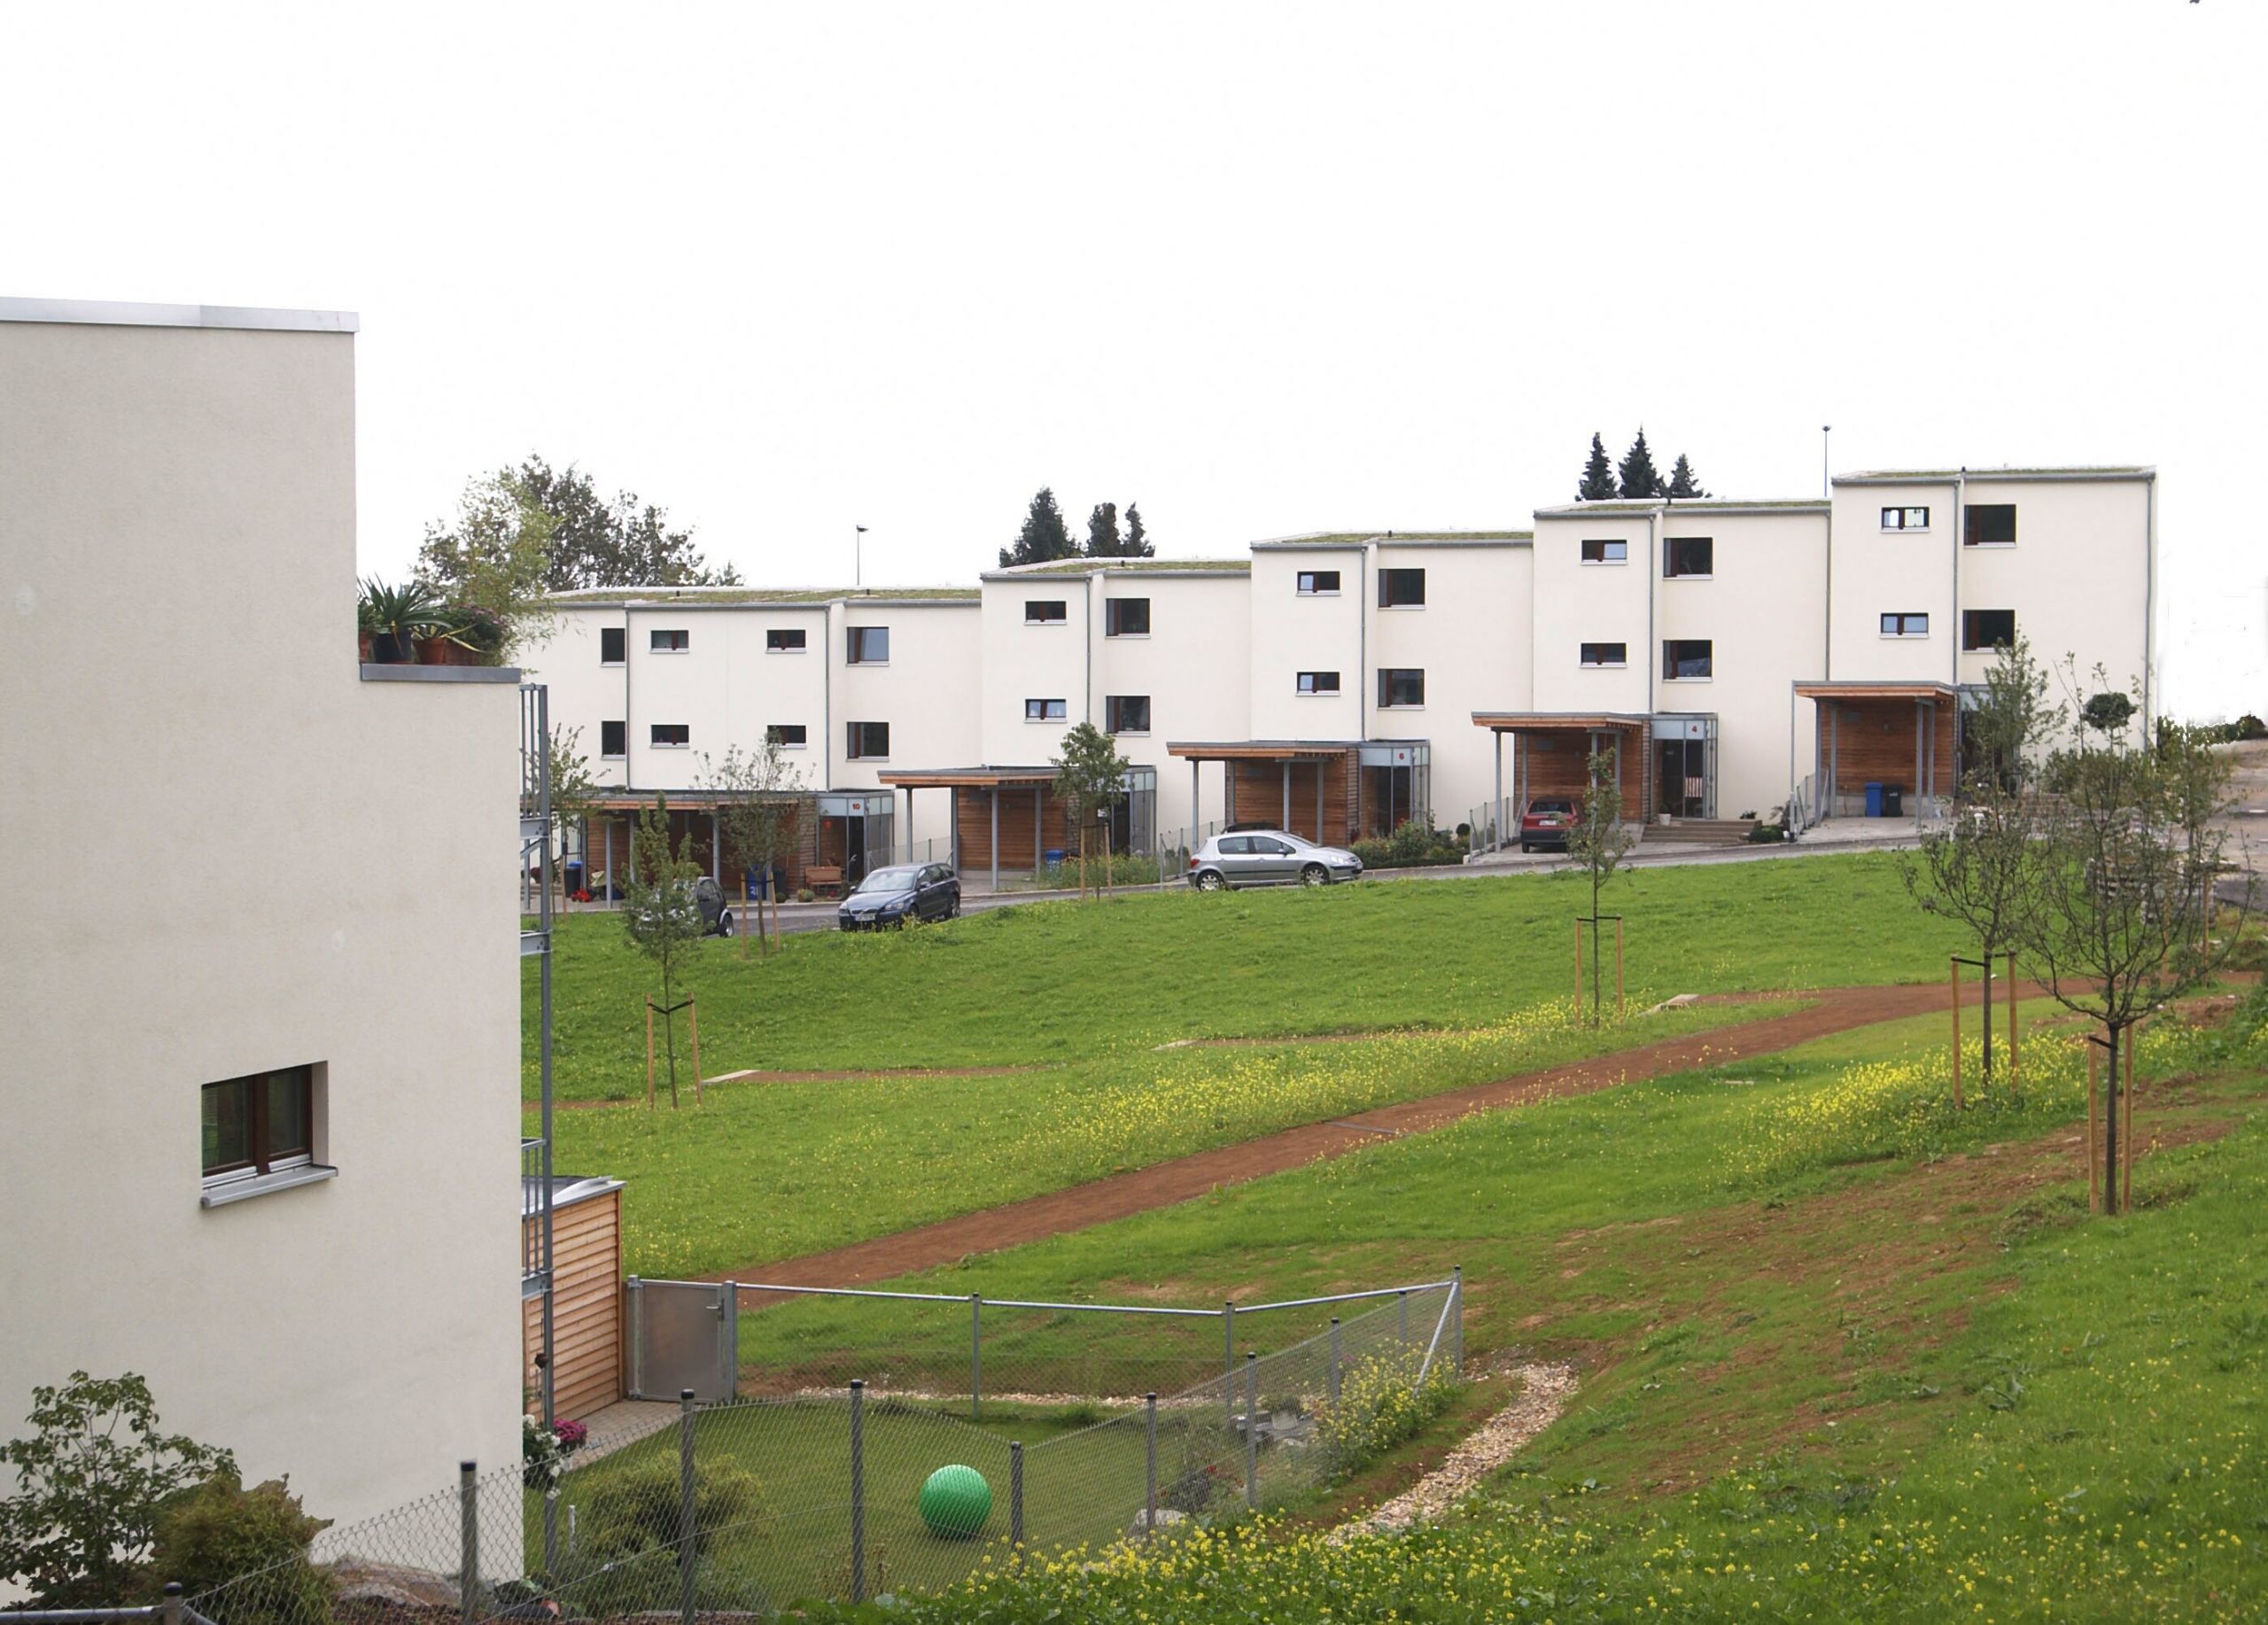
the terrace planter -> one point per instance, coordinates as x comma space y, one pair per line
393, 649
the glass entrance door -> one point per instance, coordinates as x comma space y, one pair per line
1682, 778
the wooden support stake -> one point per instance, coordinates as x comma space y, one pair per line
1955, 968
2126, 1157
1578, 966
1618, 967
649, 1051
2094, 1163
2012, 1024
693, 1026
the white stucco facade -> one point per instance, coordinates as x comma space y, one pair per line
239, 856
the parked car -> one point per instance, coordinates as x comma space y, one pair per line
1268, 858
716, 917
1545, 823
902, 892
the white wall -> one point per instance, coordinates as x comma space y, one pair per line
252, 859
1194, 667
1471, 639
929, 693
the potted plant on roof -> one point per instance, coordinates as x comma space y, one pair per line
464, 634
395, 618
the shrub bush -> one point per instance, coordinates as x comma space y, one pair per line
219, 1532
1380, 1403
634, 1509
1124, 869
1410, 846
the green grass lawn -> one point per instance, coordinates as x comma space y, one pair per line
1056, 981
1843, 1355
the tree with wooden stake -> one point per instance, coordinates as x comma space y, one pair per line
756, 793
1977, 870
2113, 923
1598, 841
573, 790
1090, 777
662, 915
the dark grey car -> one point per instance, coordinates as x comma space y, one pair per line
1268, 858
902, 892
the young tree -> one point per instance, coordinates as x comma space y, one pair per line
1598, 475
1684, 481
660, 912
1598, 840
1043, 537
495, 558
1639, 477
76, 1531
757, 806
1103, 540
2117, 923
1138, 539
1981, 869
1090, 777
573, 790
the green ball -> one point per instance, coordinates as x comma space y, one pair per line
955, 1501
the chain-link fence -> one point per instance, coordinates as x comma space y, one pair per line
751, 1504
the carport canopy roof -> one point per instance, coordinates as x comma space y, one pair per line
1877, 691
967, 778
1262, 750
1556, 721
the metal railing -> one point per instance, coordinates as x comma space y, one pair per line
172, 1611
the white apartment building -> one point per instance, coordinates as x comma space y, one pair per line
1732, 656
258, 971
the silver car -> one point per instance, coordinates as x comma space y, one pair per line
1267, 858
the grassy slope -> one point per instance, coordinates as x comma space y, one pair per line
1058, 982
1868, 1387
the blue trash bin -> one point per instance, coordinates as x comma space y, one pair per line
1873, 798
1052, 857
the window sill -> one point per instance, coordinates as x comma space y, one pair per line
863, 664
1316, 594
1990, 547
669, 651
1903, 637
1604, 563
1689, 680
769, 650
1046, 721
1127, 733
1128, 637
657, 745
617, 756
613, 664
223, 1194
1315, 693
1905, 530
1399, 708
1047, 623
1688, 575
1606, 666
1401, 606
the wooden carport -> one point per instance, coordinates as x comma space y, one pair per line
610, 825
1905, 734
1551, 752
999, 813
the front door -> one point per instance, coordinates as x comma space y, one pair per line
1681, 777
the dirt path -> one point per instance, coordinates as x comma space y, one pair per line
1162, 1184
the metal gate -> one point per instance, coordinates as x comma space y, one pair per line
683, 1335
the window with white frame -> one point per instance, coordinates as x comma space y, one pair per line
1989, 525
1905, 624
1400, 687
611, 640
1318, 682
1605, 654
1318, 583
1687, 659
1606, 551
866, 741
669, 641
1402, 589
1983, 629
1045, 710
784, 640
670, 735
1046, 612
1126, 713
1126, 618
1906, 519
866, 645
614, 739
788, 735
1689, 556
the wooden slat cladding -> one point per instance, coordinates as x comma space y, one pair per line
1559, 764
1019, 843
1864, 742
586, 1309
1256, 796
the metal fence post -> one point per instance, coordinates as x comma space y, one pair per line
1016, 1499
1456, 1320
1229, 1358
975, 1353
1333, 1385
1150, 1466
1252, 1427
633, 1292
857, 1489
729, 1335
1402, 1316
686, 1559
171, 1606
550, 1530
468, 1542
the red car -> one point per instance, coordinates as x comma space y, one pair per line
1545, 823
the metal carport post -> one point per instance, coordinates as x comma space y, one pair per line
994, 794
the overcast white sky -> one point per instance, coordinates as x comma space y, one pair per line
1263, 269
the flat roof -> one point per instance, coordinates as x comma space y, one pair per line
109, 313
1701, 505
1907, 477
741, 597
1861, 690
1114, 566
938, 778
1272, 749
1400, 538
1540, 721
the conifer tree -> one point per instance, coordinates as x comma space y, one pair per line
1684, 481
1043, 537
1138, 540
1598, 475
1640, 479
1103, 540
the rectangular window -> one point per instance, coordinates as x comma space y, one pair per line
1689, 556
1685, 658
1126, 713
1906, 519
670, 735
1126, 618
1905, 624
1318, 583
788, 735
1318, 682
1401, 686
867, 741
1402, 589
869, 646
1987, 628
1045, 612
674, 642
784, 640
610, 645
1044, 711
1606, 653
1989, 525
1607, 550
258, 1124
614, 739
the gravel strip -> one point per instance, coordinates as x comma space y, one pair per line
1545, 1390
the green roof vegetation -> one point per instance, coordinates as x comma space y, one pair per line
600, 596
1080, 566
1351, 538
2078, 470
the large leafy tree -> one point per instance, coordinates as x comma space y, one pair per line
1598, 475
584, 538
1636, 472
1043, 536
77, 1529
494, 556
